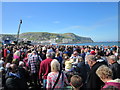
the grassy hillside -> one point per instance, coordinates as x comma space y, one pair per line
41, 36
45, 36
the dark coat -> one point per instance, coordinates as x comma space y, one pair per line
93, 81
82, 69
116, 70
12, 83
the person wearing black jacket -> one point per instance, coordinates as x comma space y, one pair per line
93, 81
13, 81
115, 67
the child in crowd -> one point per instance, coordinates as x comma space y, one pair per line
76, 82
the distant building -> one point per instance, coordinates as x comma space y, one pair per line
67, 40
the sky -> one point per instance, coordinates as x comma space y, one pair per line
97, 20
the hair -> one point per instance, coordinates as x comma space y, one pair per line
57, 54
80, 59
13, 68
53, 54
82, 51
91, 57
104, 72
76, 81
55, 65
48, 55
17, 53
21, 63
112, 57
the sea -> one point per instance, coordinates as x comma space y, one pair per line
96, 43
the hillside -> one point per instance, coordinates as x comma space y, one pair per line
50, 37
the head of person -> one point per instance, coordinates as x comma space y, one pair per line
13, 68
48, 55
114, 51
17, 53
112, 59
55, 66
76, 82
2, 58
57, 54
52, 55
80, 59
75, 53
21, 64
66, 57
82, 50
91, 60
104, 73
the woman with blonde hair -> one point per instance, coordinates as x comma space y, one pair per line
17, 55
54, 75
106, 74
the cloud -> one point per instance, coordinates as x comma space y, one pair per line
56, 22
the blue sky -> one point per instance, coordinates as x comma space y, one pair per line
98, 20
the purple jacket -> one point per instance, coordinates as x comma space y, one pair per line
115, 84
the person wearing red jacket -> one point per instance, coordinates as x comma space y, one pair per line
45, 68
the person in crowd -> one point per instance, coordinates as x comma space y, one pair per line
114, 52
49, 50
9, 58
13, 81
93, 81
58, 50
2, 63
59, 58
93, 57
7, 66
43, 55
82, 54
45, 68
17, 55
53, 75
68, 64
23, 73
118, 59
76, 82
75, 58
113, 64
33, 62
105, 74
82, 70
67, 51
5, 52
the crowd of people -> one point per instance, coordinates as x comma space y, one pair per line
50, 67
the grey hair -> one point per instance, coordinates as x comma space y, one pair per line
90, 57
112, 57
48, 55
55, 65
104, 72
